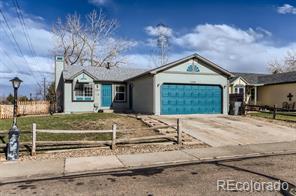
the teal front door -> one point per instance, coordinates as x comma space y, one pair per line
191, 99
106, 95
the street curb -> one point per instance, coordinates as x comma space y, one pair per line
126, 168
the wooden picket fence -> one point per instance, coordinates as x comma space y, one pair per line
25, 108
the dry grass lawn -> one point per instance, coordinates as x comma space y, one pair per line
89, 121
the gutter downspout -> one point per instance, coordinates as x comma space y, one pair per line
154, 95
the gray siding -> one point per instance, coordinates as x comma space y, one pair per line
143, 95
73, 106
91, 106
116, 106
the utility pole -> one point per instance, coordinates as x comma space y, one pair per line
44, 88
162, 43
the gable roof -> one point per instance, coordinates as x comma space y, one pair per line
177, 62
237, 77
253, 78
115, 74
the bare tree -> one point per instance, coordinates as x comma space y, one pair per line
93, 42
71, 39
287, 64
40, 90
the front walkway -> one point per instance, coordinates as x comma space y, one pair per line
28, 170
223, 130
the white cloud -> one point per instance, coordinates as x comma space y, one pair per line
286, 9
159, 29
233, 48
146, 61
138, 60
30, 67
98, 2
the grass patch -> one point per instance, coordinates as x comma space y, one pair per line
89, 121
280, 116
64, 122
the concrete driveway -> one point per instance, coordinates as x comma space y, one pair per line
222, 130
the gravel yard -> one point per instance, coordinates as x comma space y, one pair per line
126, 149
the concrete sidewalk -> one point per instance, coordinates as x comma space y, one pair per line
28, 170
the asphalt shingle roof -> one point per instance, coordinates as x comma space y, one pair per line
278, 78
253, 78
123, 74
119, 74
116, 74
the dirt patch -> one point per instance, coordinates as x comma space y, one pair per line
278, 122
133, 127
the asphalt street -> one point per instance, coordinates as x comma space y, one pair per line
191, 179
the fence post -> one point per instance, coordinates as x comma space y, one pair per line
243, 108
113, 145
274, 112
33, 149
179, 131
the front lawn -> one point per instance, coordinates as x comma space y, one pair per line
89, 121
281, 116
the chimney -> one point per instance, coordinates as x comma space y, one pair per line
59, 67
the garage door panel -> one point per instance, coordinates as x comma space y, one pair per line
191, 99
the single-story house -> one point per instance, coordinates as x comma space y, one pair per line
191, 85
266, 89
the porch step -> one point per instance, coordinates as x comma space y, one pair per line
107, 111
171, 131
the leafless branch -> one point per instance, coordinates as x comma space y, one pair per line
92, 42
287, 64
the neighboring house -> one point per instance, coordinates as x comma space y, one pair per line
191, 85
266, 89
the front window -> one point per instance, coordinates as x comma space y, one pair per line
239, 90
83, 92
252, 94
120, 93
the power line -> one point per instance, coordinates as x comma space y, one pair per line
26, 34
9, 58
11, 33
14, 41
7, 35
24, 28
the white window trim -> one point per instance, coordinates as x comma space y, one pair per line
84, 98
125, 93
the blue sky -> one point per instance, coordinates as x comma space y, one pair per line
239, 35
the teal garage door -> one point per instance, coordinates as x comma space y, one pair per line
191, 99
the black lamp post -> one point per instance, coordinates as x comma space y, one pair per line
14, 132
